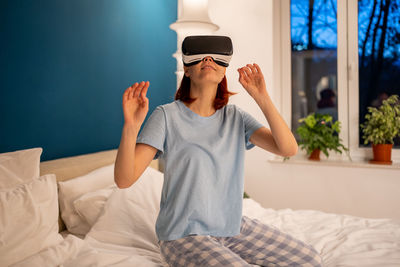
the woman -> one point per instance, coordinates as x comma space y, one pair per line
203, 140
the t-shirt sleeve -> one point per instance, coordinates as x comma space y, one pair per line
154, 131
250, 126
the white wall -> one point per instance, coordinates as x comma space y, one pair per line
358, 191
248, 23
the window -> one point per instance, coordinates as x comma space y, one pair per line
322, 44
379, 54
314, 58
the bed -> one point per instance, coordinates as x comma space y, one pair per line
68, 212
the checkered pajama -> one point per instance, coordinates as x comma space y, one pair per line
257, 243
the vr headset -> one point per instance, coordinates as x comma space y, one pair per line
195, 48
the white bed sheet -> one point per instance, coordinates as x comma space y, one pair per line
341, 240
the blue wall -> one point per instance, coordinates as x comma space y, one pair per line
65, 64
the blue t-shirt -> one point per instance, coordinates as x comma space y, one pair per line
203, 174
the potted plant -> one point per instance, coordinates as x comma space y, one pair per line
381, 126
319, 133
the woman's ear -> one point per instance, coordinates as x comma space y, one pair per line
186, 71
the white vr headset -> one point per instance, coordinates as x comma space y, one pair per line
195, 48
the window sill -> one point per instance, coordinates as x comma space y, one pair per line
355, 163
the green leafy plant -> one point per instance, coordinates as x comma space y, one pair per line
317, 131
382, 124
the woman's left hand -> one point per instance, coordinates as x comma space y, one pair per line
252, 79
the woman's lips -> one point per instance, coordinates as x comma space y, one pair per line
208, 67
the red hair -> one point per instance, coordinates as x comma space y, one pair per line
221, 99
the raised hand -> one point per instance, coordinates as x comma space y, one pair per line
252, 79
135, 104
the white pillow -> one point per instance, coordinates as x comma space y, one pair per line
29, 219
19, 166
70, 190
90, 205
130, 214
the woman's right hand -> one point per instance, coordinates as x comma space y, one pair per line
135, 104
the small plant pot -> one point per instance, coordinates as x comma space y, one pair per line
382, 154
315, 155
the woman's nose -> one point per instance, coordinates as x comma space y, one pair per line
208, 58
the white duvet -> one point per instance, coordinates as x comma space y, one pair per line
341, 240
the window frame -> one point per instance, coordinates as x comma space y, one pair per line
347, 74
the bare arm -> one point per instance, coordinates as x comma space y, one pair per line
263, 138
133, 159
279, 140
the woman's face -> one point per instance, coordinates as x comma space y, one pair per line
206, 71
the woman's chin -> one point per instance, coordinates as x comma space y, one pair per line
208, 79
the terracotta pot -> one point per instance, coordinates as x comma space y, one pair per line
382, 154
314, 155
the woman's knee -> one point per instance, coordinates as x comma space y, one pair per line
282, 248
314, 259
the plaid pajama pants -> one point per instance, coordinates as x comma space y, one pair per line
257, 243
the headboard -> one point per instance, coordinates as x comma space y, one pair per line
71, 167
